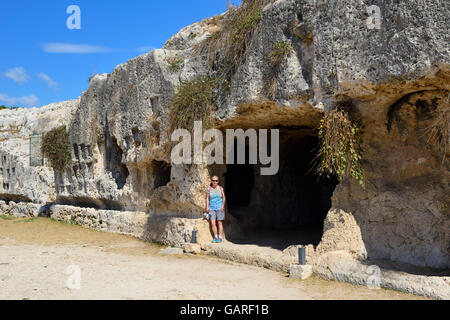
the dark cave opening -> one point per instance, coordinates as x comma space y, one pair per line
14, 197
86, 202
114, 162
288, 208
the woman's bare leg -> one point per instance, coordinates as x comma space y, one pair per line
220, 229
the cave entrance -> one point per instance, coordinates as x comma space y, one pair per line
114, 162
285, 209
161, 173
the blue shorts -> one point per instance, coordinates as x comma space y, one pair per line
217, 215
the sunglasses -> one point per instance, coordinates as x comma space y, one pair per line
215, 180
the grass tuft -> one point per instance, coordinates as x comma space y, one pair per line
226, 48
5, 217
193, 101
175, 63
280, 51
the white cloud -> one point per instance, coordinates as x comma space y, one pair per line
26, 101
18, 75
59, 47
48, 80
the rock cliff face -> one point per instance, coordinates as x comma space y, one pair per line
395, 77
19, 180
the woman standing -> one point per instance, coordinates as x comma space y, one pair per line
215, 206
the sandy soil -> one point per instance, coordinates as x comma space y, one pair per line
35, 255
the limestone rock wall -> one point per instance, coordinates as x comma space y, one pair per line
118, 134
404, 210
18, 180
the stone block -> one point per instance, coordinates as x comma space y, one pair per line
192, 248
300, 272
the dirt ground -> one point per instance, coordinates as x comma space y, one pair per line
36, 256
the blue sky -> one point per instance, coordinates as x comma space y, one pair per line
36, 66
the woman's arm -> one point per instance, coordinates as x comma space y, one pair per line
207, 201
224, 199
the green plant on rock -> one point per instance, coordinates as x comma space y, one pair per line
56, 148
235, 30
340, 152
73, 220
280, 51
175, 63
246, 24
193, 101
226, 85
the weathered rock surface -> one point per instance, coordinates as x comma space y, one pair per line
193, 248
342, 232
341, 266
301, 272
253, 255
21, 209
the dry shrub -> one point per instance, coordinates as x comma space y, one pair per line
56, 148
340, 152
232, 39
194, 101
